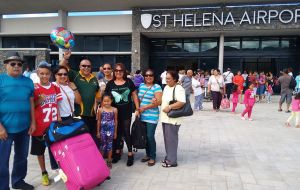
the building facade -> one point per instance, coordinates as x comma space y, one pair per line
242, 35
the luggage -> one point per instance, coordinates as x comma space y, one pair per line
58, 131
225, 103
81, 162
138, 134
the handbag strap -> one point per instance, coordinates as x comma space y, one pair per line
69, 101
174, 92
146, 92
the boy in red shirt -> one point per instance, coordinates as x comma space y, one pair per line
46, 97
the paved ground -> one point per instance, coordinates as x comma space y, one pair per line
217, 151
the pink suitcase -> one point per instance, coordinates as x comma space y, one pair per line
81, 162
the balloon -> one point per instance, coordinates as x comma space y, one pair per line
62, 38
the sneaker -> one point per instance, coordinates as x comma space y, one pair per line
45, 179
22, 185
243, 118
250, 119
130, 160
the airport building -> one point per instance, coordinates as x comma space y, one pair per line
247, 35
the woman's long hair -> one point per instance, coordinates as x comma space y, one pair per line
122, 68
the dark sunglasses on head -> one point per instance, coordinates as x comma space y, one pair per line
19, 64
149, 75
118, 71
86, 66
106, 68
62, 74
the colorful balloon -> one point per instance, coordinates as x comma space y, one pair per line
62, 38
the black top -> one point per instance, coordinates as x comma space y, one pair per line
121, 97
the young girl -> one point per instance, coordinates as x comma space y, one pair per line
249, 101
269, 91
107, 127
235, 96
295, 111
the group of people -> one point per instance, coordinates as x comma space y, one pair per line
105, 105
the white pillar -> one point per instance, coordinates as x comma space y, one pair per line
221, 52
62, 21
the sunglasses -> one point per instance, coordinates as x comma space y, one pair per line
14, 64
149, 75
86, 66
119, 71
106, 68
62, 74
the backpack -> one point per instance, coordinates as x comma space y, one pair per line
138, 134
292, 84
58, 131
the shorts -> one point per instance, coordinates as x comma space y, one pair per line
260, 90
286, 97
38, 145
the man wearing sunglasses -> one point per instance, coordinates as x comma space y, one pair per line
88, 88
16, 122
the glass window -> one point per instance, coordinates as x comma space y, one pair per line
110, 43
174, 45
250, 43
125, 59
289, 42
269, 43
231, 43
24, 42
125, 43
92, 43
158, 45
41, 42
209, 45
79, 43
9, 42
191, 45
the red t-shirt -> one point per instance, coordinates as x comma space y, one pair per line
46, 112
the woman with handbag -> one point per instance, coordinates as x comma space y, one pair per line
70, 94
150, 98
171, 125
216, 86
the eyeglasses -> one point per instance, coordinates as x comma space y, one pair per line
119, 71
106, 68
62, 74
19, 64
148, 75
86, 66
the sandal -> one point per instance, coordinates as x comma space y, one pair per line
166, 165
109, 164
279, 109
145, 159
151, 162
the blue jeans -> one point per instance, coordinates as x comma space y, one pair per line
198, 102
21, 146
151, 143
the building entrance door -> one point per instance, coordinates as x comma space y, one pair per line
260, 64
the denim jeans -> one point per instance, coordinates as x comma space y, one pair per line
198, 102
19, 171
151, 143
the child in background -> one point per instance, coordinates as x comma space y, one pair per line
107, 127
295, 111
198, 93
249, 101
235, 96
46, 98
269, 91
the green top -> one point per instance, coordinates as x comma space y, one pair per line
88, 89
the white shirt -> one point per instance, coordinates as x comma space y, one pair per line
215, 83
166, 98
228, 75
63, 105
245, 76
196, 87
163, 77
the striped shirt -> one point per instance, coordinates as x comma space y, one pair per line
149, 115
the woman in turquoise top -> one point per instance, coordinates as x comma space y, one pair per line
150, 98
298, 83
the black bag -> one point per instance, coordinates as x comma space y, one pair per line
138, 134
186, 110
58, 131
292, 84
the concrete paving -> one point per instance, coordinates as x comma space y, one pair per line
217, 151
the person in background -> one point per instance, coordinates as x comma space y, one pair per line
295, 111
100, 74
261, 86
286, 93
298, 83
16, 122
217, 88
249, 102
198, 94
163, 79
239, 80
228, 77
269, 91
27, 72
290, 70
138, 78
186, 82
235, 97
